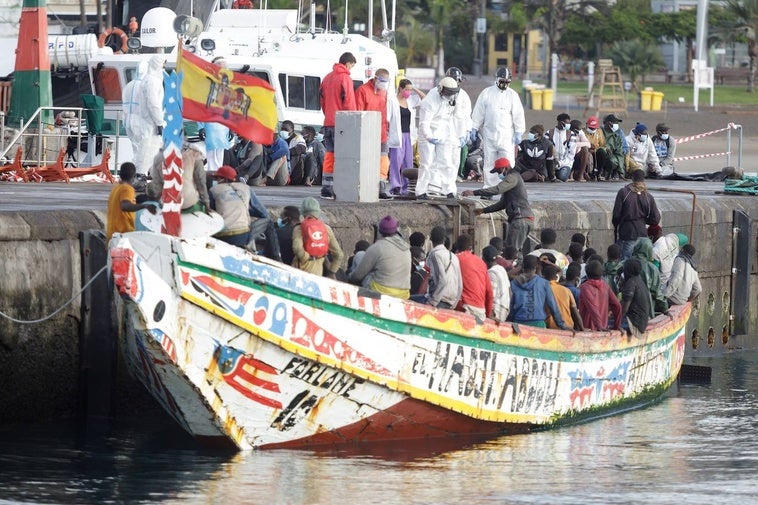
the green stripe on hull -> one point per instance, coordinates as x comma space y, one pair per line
31, 90
420, 331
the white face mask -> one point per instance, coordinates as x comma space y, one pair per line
664, 136
615, 127
382, 85
567, 127
643, 138
591, 130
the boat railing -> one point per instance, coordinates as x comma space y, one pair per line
42, 140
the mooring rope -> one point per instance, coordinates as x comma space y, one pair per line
35, 321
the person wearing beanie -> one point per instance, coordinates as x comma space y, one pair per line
633, 210
513, 199
316, 248
642, 155
385, 266
665, 148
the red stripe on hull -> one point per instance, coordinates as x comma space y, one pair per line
407, 420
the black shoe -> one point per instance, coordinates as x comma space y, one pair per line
384, 196
422, 196
451, 196
327, 193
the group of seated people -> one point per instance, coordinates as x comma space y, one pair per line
570, 151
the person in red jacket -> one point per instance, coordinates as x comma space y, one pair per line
597, 300
337, 93
477, 298
372, 95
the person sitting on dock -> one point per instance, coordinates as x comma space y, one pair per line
635, 299
122, 203
385, 266
313, 240
642, 155
597, 301
532, 298
684, 284
665, 148
611, 156
535, 160
445, 281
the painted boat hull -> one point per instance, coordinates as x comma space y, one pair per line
242, 349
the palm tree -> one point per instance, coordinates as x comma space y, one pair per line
441, 11
746, 16
636, 58
415, 42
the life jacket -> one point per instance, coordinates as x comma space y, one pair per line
315, 237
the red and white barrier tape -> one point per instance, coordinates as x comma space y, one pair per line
730, 126
699, 156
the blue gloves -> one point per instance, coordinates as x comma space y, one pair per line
434, 141
472, 134
463, 140
517, 138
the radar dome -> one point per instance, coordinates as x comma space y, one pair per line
157, 28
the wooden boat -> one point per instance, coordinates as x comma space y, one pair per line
243, 349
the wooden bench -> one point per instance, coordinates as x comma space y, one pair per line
735, 74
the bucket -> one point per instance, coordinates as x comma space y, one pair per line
71, 51
657, 101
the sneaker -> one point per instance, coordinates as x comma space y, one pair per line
450, 196
327, 193
422, 196
384, 196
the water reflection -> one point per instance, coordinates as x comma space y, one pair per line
696, 446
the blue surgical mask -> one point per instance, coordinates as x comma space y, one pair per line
284, 134
643, 138
567, 127
615, 127
664, 136
420, 265
320, 137
531, 137
280, 222
501, 176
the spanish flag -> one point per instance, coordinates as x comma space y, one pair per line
217, 95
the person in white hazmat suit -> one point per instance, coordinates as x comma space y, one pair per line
130, 97
440, 138
498, 117
144, 114
462, 115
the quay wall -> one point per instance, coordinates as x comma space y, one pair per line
41, 271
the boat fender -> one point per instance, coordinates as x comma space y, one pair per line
114, 32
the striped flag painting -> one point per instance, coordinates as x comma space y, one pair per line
173, 138
248, 376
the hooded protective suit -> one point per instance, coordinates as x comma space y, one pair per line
439, 140
499, 118
144, 113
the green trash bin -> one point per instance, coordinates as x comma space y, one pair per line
536, 98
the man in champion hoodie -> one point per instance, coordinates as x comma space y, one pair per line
532, 297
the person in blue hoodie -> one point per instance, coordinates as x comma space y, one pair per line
532, 297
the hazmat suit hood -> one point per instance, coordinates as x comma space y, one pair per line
155, 65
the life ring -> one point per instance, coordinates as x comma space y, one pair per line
118, 32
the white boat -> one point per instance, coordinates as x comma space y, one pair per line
244, 351
267, 43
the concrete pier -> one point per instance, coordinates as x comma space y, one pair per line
40, 223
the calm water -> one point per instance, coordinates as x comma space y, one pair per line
698, 446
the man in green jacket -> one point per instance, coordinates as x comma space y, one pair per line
611, 158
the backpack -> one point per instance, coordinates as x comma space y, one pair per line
315, 237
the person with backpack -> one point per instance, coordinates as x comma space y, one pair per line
313, 240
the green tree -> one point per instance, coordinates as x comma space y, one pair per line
415, 42
636, 58
745, 13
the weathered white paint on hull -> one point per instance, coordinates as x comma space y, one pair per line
267, 355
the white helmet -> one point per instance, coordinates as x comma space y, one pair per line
448, 87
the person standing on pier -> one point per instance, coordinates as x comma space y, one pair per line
372, 96
499, 118
633, 210
337, 93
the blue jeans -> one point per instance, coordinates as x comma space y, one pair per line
627, 247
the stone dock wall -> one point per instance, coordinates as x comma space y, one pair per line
41, 271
